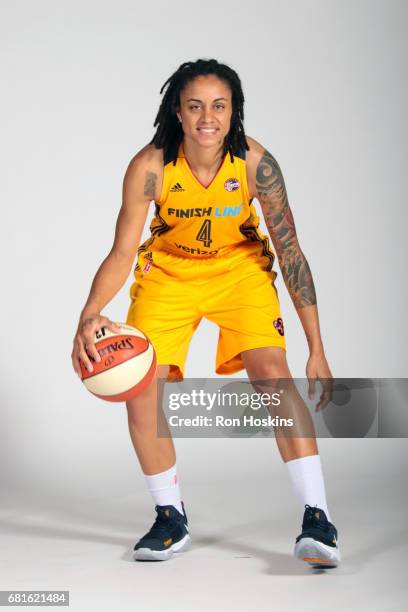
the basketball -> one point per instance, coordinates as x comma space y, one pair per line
127, 367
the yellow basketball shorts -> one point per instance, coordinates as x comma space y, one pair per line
172, 293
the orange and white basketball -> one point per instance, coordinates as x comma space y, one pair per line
127, 367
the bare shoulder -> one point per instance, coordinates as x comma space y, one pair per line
255, 148
254, 157
261, 166
145, 172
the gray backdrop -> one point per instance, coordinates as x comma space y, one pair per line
325, 88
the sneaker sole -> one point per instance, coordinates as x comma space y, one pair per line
147, 554
316, 553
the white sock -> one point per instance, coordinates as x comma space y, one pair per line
165, 489
307, 478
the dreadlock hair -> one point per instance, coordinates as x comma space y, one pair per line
169, 133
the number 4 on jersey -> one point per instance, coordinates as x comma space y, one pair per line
204, 234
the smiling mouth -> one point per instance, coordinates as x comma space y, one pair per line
208, 130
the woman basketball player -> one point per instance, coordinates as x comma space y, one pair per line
205, 257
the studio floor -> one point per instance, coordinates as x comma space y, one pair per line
243, 523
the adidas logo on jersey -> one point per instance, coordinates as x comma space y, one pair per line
177, 187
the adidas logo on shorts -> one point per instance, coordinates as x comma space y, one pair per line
177, 187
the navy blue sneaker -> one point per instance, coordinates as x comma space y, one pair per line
168, 535
318, 542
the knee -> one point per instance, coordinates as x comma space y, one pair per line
266, 364
141, 407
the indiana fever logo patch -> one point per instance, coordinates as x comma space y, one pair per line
278, 325
231, 184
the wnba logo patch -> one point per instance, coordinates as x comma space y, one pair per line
231, 184
147, 267
278, 325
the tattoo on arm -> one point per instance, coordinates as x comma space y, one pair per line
150, 184
272, 196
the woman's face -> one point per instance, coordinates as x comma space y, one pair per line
205, 110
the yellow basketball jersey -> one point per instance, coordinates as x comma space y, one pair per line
196, 221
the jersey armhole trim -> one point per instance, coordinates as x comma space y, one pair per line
248, 198
165, 184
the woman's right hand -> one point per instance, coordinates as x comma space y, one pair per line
84, 340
